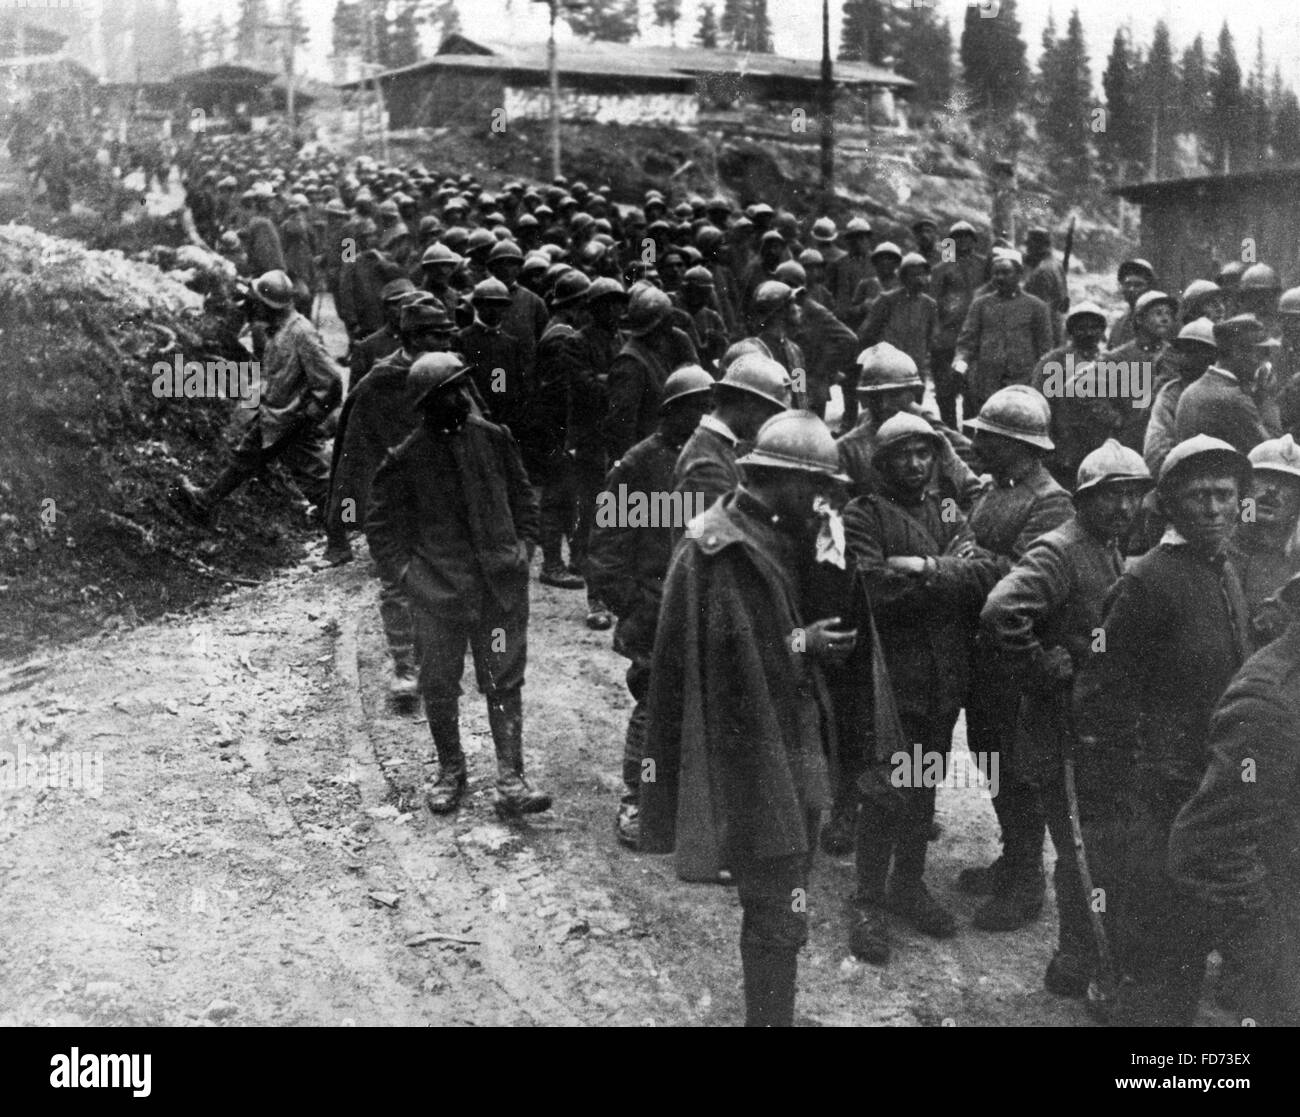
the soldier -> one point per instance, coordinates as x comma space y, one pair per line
889, 383
825, 236
1219, 402
526, 317
739, 722
1261, 547
771, 252
1175, 632
1202, 299
361, 280
300, 386
628, 562
560, 352
886, 259
712, 245
1022, 503
777, 317
954, 284
260, 235
637, 375
925, 581
1042, 620
376, 417
385, 340
394, 239
1136, 278
1233, 843
1140, 361
454, 521
753, 389
1044, 276
828, 345
906, 317
1189, 355
299, 243
1258, 293
1004, 334
697, 299
925, 232
1085, 330
437, 266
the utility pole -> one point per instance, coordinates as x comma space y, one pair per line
553, 73
828, 108
289, 32
374, 68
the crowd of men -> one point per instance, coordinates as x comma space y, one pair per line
1102, 575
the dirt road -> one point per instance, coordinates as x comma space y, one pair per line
257, 852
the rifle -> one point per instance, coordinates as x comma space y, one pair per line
1065, 266
1101, 989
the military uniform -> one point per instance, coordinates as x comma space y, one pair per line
1001, 340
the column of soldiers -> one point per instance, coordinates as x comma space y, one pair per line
1082, 577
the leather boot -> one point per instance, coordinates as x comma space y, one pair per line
513, 795
769, 985
198, 504
404, 685
444, 725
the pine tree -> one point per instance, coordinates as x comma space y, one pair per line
1065, 123
612, 21
762, 41
923, 50
1046, 59
865, 33
707, 33
1120, 142
1259, 120
1194, 93
348, 38
745, 25
1226, 103
1286, 128
1159, 95
993, 59
251, 39
403, 35
668, 13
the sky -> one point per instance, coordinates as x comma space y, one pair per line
797, 24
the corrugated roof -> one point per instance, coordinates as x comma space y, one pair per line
654, 63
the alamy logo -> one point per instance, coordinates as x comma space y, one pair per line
241, 380
638, 509
118, 1072
71, 769
1099, 379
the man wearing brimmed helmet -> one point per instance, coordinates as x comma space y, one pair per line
753, 389
377, 415
924, 578
300, 386
1041, 621
453, 520
260, 235
364, 272
907, 316
1085, 330
1219, 403
1136, 277
887, 384
551, 464
1141, 360
956, 279
844, 274
1022, 503
776, 317
385, 340
697, 299
298, 241
1233, 843
627, 563
1286, 361
653, 348
526, 316
1005, 332
827, 344
1263, 546
1188, 356
1176, 629
740, 724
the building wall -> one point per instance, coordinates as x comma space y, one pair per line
676, 109
1186, 238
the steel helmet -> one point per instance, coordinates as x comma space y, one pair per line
1152, 298
796, 440
229, 240
1202, 453
1112, 463
535, 261
274, 288
490, 292
1199, 289
1085, 310
480, 240
1277, 455
648, 308
738, 349
811, 258
823, 230
899, 428
423, 311
505, 250
793, 276
1137, 266
1259, 277
571, 287
959, 228
432, 371
1199, 331
759, 375
388, 208
1243, 328
914, 260
887, 248
395, 289
772, 295
709, 236
886, 368
1289, 303
1018, 412
858, 227
698, 276
689, 380
606, 287
439, 253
